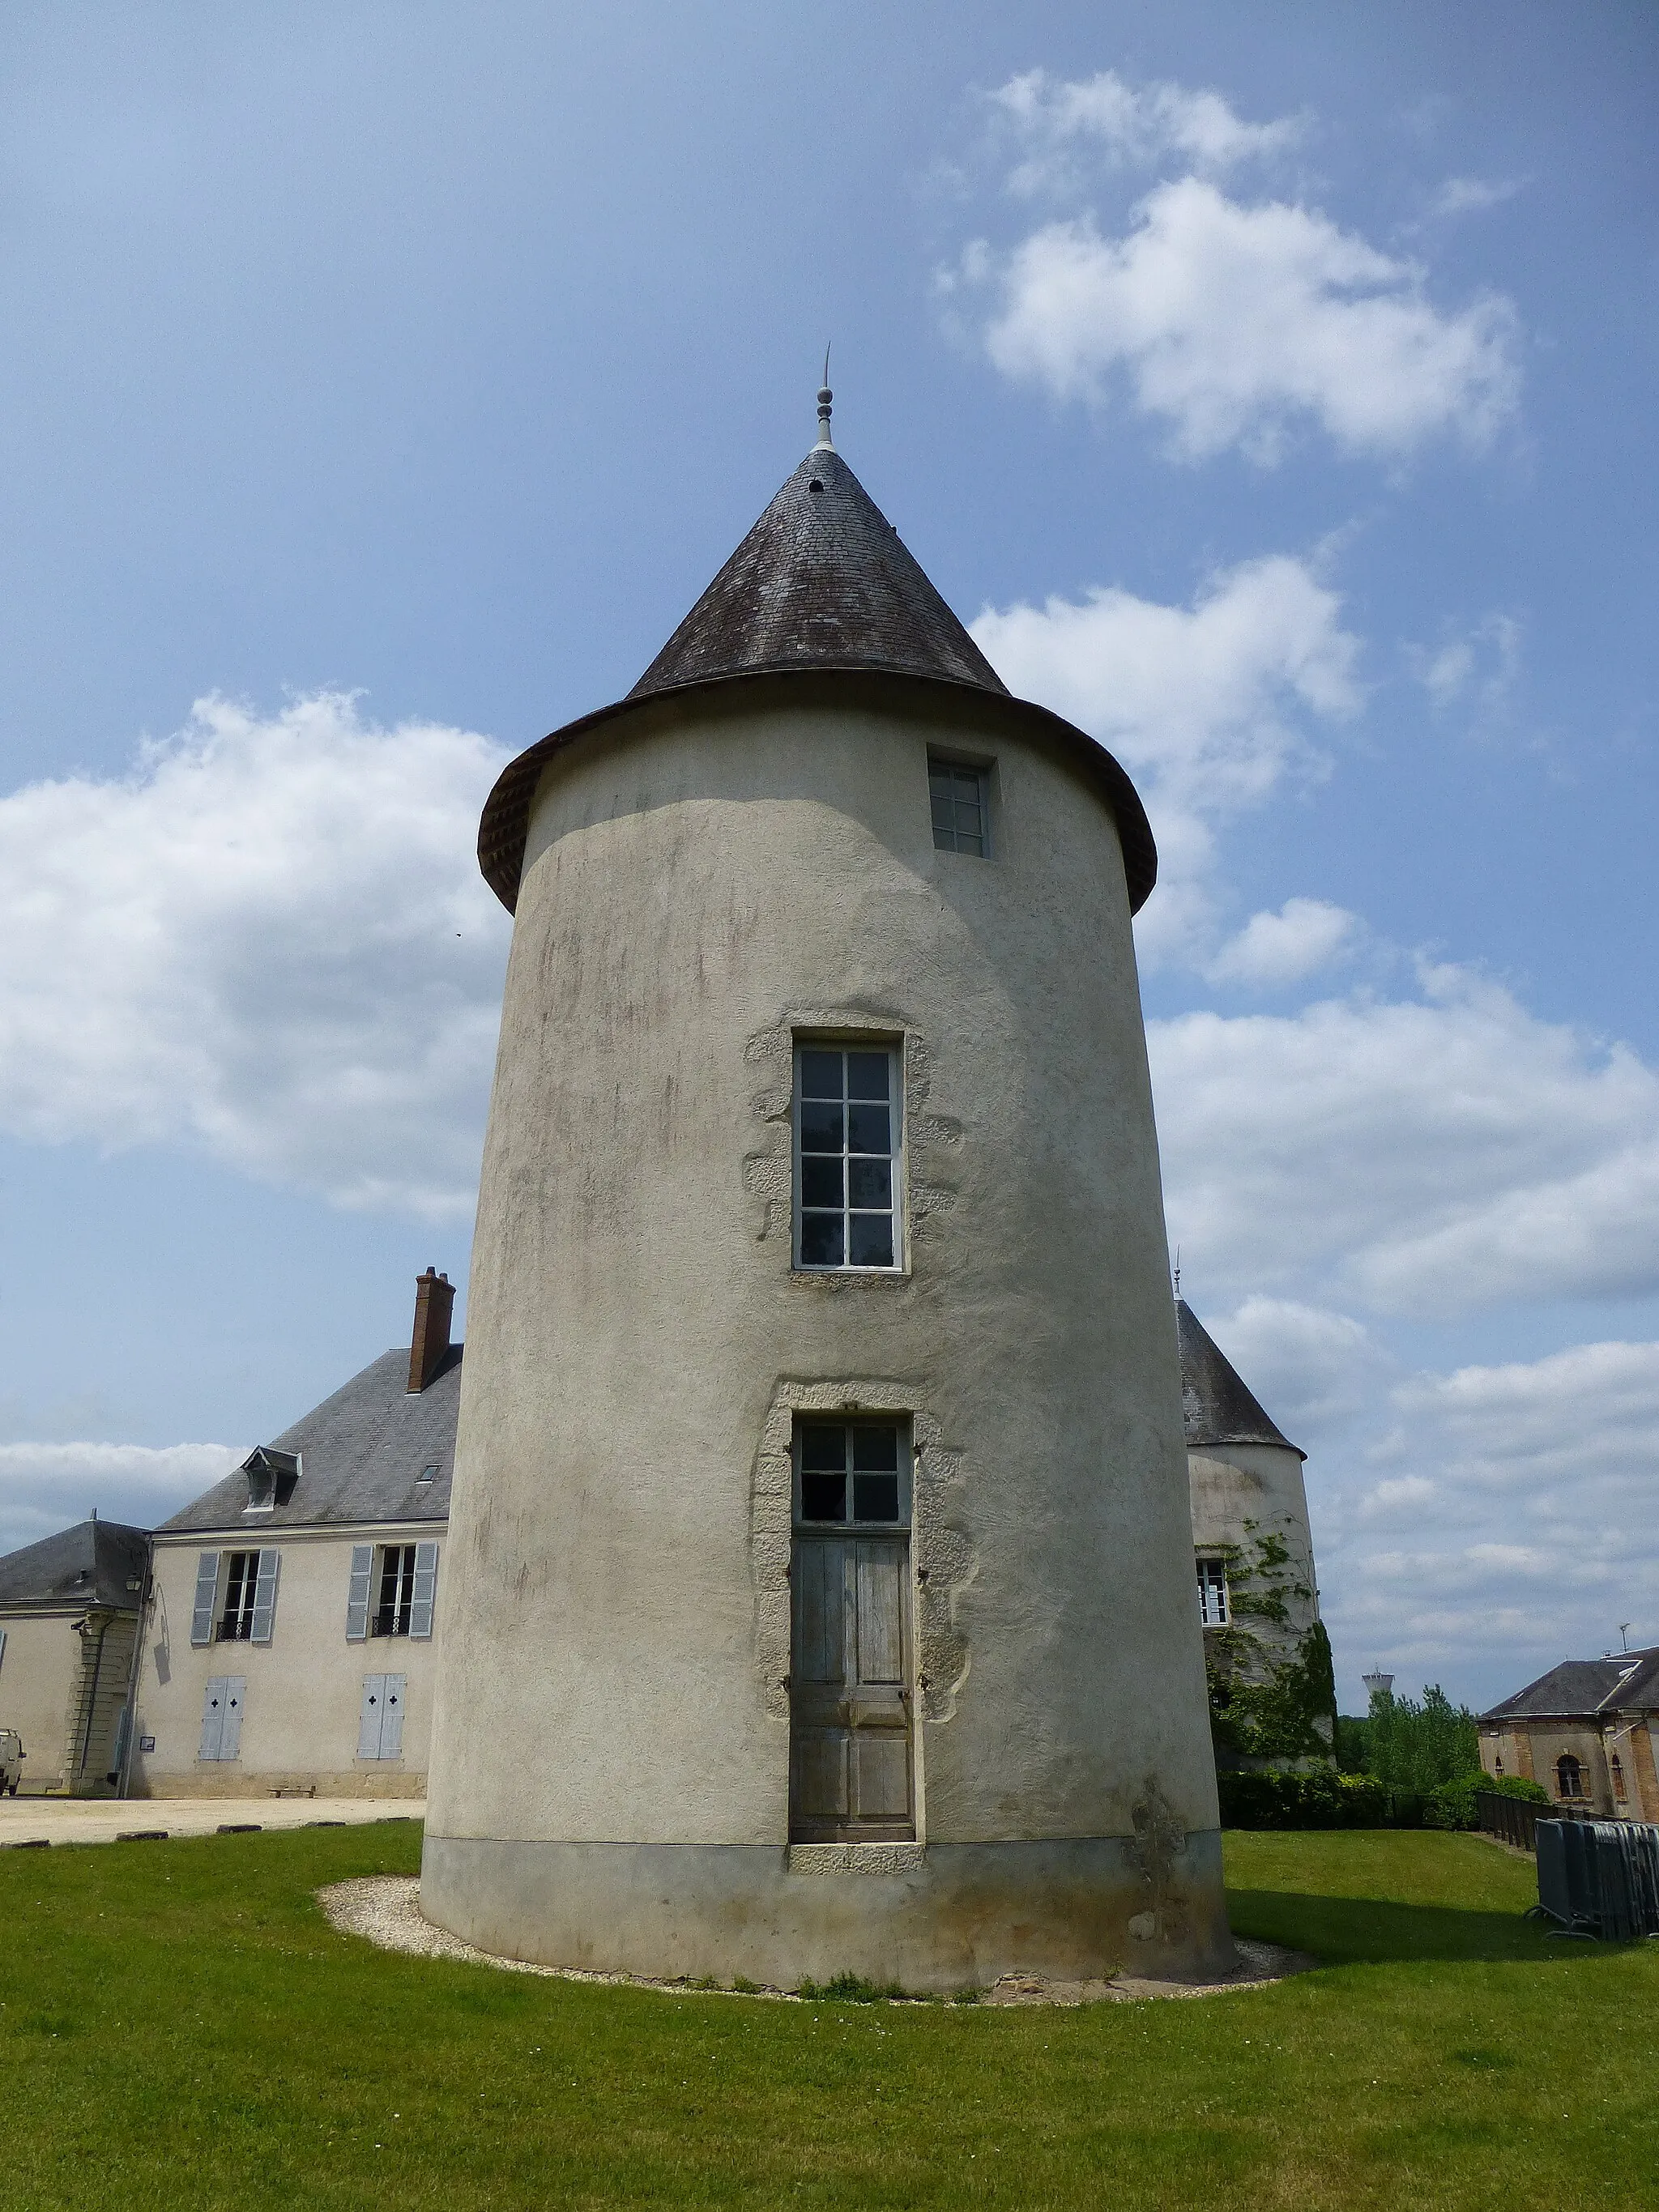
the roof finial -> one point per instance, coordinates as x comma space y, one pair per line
825, 396
1177, 1271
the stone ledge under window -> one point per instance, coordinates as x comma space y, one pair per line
856, 1858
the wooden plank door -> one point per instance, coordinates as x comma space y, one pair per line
850, 1739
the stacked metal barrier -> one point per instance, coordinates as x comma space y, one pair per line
1600, 1877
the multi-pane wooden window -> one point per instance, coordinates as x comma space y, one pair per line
1212, 1593
846, 1158
959, 797
851, 1471
235, 1597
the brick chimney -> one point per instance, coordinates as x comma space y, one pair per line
435, 1294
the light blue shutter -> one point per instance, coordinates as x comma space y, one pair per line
426, 1589
362, 1573
235, 1697
264, 1596
369, 1716
213, 1719
391, 1718
200, 1621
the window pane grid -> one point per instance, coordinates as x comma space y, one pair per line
1212, 1593
847, 1149
236, 1622
396, 1595
958, 796
850, 1471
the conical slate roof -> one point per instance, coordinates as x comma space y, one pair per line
1216, 1406
822, 587
821, 581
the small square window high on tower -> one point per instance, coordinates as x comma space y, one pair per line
960, 800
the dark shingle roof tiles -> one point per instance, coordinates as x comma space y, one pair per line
822, 586
95, 1562
1624, 1681
362, 1454
821, 581
1217, 1408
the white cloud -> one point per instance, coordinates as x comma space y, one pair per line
1533, 1497
47, 1486
269, 939
1428, 1155
1204, 705
1474, 670
1272, 950
1311, 1368
1055, 117
1234, 324
1473, 195
1405, 1492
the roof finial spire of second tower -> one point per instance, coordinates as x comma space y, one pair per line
825, 396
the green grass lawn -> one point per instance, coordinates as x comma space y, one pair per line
180, 2028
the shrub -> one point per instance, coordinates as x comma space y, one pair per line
1319, 1800
1452, 1804
1514, 1785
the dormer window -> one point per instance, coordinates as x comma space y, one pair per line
271, 1476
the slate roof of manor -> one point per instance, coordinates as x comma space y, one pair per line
1577, 1688
1216, 1406
91, 1563
361, 1452
823, 585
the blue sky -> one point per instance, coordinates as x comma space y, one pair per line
1271, 388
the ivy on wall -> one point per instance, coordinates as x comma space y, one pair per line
1263, 1705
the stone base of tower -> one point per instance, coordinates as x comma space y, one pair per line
936, 1917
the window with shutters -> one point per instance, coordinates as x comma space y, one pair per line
392, 1590
848, 1162
1212, 1593
248, 1606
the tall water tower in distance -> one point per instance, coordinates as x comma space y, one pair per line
820, 1579
1377, 1686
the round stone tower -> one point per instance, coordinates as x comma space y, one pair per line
819, 1592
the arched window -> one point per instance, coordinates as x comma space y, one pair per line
1498, 1764
1566, 1776
1618, 1776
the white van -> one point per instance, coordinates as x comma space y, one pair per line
11, 1760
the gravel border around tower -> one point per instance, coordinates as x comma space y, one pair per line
385, 1910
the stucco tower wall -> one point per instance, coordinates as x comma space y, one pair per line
704, 879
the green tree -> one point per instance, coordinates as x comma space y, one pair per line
1413, 1746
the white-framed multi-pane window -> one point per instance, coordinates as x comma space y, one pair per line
959, 798
1212, 1593
848, 1163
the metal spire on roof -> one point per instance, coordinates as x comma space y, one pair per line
825, 442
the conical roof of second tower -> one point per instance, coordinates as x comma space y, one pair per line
1216, 1404
822, 581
